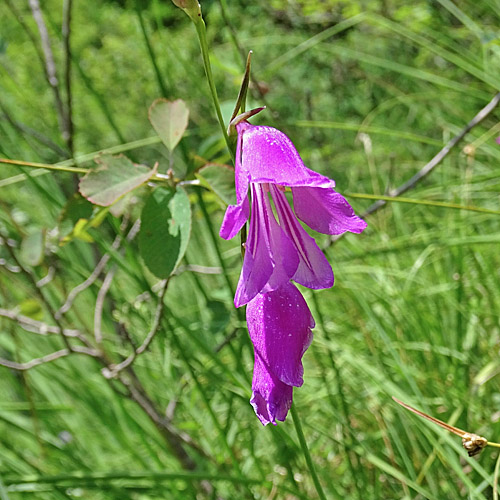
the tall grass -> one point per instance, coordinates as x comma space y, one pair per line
369, 92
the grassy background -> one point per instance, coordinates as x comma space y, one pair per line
369, 91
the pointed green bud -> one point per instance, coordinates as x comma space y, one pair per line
191, 7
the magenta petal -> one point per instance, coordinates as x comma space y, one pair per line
280, 324
271, 399
325, 211
237, 215
268, 155
234, 218
270, 257
314, 270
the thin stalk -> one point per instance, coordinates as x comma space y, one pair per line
149, 47
413, 201
495, 479
202, 37
46, 166
307, 455
222, 264
68, 115
348, 437
3, 491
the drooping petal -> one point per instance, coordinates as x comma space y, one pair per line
280, 324
325, 211
271, 399
234, 218
270, 257
314, 270
268, 155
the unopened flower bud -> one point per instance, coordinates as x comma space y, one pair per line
191, 7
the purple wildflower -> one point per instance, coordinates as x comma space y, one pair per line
278, 251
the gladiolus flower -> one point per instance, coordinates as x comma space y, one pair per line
277, 251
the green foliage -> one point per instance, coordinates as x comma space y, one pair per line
114, 177
368, 91
165, 230
170, 120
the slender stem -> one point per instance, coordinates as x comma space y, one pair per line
47, 166
68, 115
48, 358
413, 201
202, 37
50, 66
40, 294
149, 47
431, 165
222, 263
307, 455
495, 479
348, 435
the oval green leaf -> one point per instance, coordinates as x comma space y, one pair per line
165, 230
170, 120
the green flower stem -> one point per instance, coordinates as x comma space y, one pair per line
307, 455
348, 437
202, 37
413, 201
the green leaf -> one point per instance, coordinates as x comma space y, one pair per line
170, 120
32, 248
219, 179
31, 308
76, 208
114, 177
165, 230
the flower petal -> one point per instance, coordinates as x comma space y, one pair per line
270, 257
271, 399
326, 211
237, 215
314, 270
280, 324
234, 218
268, 155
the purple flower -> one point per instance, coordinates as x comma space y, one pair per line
278, 251
280, 325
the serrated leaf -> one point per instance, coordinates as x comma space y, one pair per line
114, 177
170, 120
219, 179
165, 230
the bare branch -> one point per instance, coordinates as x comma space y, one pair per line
103, 291
47, 278
50, 66
112, 371
38, 327
38, 136
197, 269
48, 358
38, 291
429, 167
66, 34
83, 286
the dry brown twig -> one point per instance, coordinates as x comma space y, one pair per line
50, 66
432, 164
473, 443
